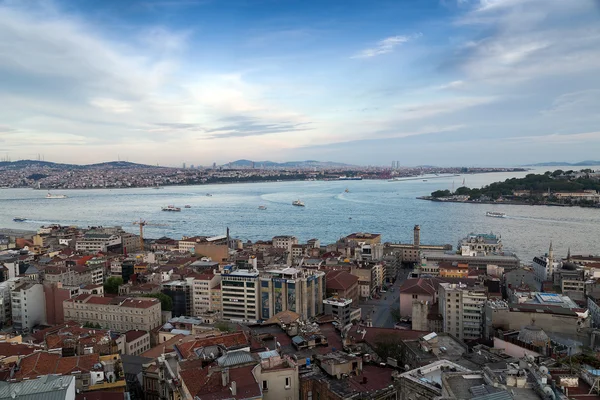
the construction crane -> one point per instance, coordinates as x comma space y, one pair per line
142, 224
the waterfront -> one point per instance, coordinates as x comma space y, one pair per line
389, 208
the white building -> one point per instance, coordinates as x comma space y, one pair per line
28, 305
239, 294
544, 267
284, 242
97, 242
462, 310
203, 286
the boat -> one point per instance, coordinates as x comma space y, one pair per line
187, 206
208, 194
171, 208
424, 180
262, 207
297, 203
19, 219
346, 191
158, 187
55, 196
350, 178
494, 214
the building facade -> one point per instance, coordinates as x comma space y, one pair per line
28, 306
239, 294
117, 313
462, 310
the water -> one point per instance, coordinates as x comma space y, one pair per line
389, 208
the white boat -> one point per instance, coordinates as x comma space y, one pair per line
298, 203
262, 207
19, 219
55, 196
171, 208
494, 214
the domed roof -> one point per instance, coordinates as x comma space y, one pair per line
533, 334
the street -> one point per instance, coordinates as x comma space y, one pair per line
382, 317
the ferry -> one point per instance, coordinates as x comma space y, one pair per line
350, 178
56, 196
187, 206
208, 195
171, 208
298, 203
262, 207
494, 214
19, 219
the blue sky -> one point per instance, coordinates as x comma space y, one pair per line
443, 82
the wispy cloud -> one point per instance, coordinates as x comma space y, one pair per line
386, 45
243, 126
556, 138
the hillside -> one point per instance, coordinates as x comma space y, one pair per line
22, 164
288, 164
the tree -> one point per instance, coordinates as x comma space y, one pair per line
166, 303
112, 284
441, 193
463, 190
223, 327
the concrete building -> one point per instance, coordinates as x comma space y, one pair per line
277, 376
462, 310
181, 292
521, 276
425, 383
342, 284
94, 242
28, 306
342, 310
506, 261
55, 294
5, 306
420, 289
116, 313
544, 266
136, 342
284, 242
480, 243
361, 237
293, 289
239, 294
203, 287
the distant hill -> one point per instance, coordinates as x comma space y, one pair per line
288, 164
20, 164
586, 163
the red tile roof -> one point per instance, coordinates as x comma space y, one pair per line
15, 349
340, 280
207, 383
417, 286
131, 336
44, 363
229, 340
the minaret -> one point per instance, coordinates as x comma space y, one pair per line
550, 264
569, 254
550, 253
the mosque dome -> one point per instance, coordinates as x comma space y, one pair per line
534, 335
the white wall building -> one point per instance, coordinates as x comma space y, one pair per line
28, 305
544, 267
462, 310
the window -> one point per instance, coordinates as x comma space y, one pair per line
265, 385
415, 296
288, 382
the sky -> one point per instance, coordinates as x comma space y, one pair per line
436, 82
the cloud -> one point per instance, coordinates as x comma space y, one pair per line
427, 110
555, 138
243, 126
385, 46
111, 105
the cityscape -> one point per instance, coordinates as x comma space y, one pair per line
299, 200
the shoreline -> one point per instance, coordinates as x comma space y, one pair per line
388, 179
509, 203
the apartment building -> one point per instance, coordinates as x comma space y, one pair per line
181, 292
202, 289
239, 294
301, 291
284, 242
342, 310
462, 309
93, 242
117, 313
28, 306
136, 342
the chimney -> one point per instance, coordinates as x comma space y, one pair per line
233, 388
225, 376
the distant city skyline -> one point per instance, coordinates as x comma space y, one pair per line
425, 82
